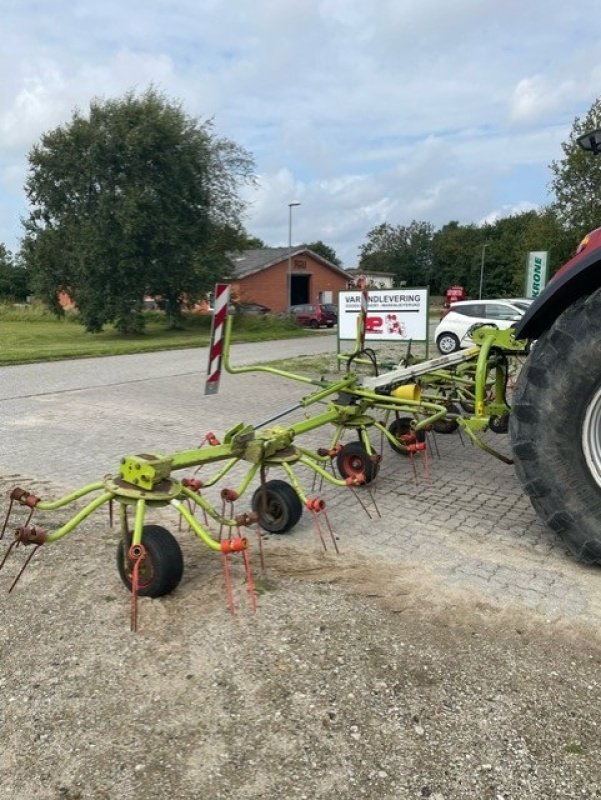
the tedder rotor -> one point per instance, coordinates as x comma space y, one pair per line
401, 403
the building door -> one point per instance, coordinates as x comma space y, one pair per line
300, 289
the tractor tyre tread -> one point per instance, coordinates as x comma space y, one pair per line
553, 389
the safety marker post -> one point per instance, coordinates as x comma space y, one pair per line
220, 307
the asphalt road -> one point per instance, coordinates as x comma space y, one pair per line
460, 515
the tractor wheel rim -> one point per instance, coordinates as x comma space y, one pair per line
591, 437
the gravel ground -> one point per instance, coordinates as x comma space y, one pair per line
356, 678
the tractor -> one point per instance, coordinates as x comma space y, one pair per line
555, 422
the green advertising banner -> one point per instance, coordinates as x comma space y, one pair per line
536, 273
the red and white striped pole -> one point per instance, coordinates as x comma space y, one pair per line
220, 306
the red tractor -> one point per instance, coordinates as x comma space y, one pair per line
556, 412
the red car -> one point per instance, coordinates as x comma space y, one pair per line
315, 315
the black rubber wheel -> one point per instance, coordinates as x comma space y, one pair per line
555, 427
499, 423
314, 324
354, 460
278, 506
162, 568
447, 343
399, 428
446, 425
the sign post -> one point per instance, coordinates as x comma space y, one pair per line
220, 306
392, 315
536, 273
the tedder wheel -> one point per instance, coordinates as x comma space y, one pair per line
162, 568
354, 459
555, 427
447, 425
402, 427
278, 506
447, 343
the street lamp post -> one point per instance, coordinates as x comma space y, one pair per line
289, 275
484, 246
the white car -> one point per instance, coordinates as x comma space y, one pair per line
452, 331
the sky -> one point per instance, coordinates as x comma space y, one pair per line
363, 112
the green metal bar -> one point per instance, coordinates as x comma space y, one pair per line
139, 521
79, 517
195, 525
385, 432
254, 468
51, 505
332, 388
206, 506
308, 462
295, 484
221, 473
256, 367
482, 368
305, 425
366, 442
184, 459
483, 446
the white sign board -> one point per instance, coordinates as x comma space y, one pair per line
393, 315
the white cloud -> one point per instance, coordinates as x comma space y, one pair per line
365, 112
537, 97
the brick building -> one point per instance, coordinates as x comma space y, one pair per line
262, 276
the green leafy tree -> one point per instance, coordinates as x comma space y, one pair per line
325, 251
135, 197
546, 231
14, 277
455, 250
576, 180
404, 250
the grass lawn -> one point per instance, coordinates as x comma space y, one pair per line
31, 334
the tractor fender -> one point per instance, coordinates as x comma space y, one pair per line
579, 276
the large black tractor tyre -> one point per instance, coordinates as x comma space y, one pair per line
162, 568
555, 427
278, 506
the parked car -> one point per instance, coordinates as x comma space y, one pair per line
452, 331
256, 309
521, 302
315, 315
331, 310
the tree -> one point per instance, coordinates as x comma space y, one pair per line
405, 251
325, 251
577, 179
455, 255
14, 277
134, 198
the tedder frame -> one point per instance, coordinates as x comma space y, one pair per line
466, 389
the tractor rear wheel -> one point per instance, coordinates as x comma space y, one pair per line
555, 427
162, 567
